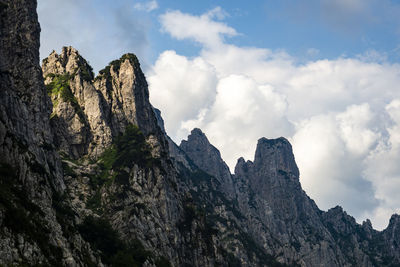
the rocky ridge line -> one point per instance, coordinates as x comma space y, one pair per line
146, 198
121, 177
284, 220
90, 112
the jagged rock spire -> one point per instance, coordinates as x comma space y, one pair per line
89, 113
68, 61
208, 158
276, 155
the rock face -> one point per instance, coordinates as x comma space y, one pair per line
285, 219
276, 213
208, 158
78, 117
89, 113
88, 177
30, 170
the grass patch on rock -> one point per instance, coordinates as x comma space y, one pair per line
128, 149
59, 89
113, 251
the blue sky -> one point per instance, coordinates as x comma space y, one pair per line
299, 27
324, 74
308, 29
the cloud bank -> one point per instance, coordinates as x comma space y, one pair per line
342, 115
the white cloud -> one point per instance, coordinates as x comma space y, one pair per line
373, 56
354, 130
330, 150
146, 6
217, 13
382, 167
183, 87
240, 115
342, 115
202, 29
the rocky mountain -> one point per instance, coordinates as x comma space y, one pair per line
88, 114
208, 158
89, 177
32, 185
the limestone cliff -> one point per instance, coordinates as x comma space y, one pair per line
78, 117
270, 195
89, 177
90, 112
208, 158
133, 180
281, 218
31, 191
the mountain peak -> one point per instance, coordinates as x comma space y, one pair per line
394, 221
198, 137
276, 154
197, 131
68, 61
128, 60
207, 157
198, 141
88, 113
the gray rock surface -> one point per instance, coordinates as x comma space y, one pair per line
208, 158
285, 219
78, 118
30, 170
97, 110
86, 157
281, 218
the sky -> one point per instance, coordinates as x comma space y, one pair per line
324, 74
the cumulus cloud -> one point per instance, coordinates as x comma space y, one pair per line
342, 115
101, 33
330, 150
182, 86
239, 116
146, 6
203, 29
382, 167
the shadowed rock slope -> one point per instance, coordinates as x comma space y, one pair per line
281, 218
31, 180
90, 178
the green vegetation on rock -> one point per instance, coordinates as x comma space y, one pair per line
59, 88
131, 147
86, 71
115, 252
94, 203
128, 149
116, 64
